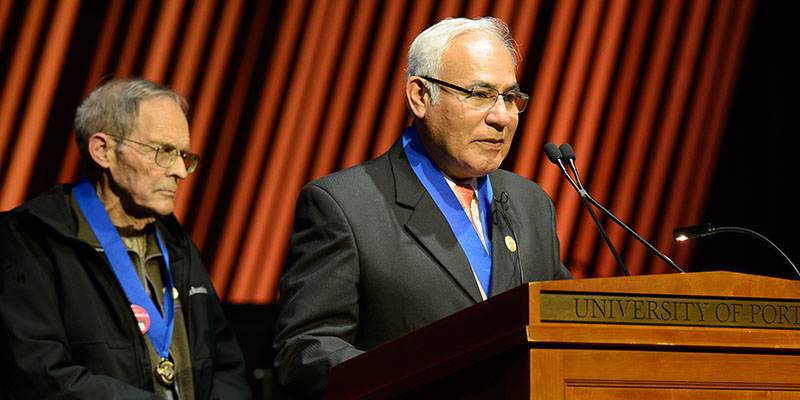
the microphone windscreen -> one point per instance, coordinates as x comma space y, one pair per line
552, 152
567, 152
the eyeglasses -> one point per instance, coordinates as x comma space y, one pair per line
482, 98
166, 155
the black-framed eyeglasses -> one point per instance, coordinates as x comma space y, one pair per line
482, 98
167, 154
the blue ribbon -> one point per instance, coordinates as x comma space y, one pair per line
160, 331
480, 257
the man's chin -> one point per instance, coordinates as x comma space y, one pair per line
146, 212
474, 173
486, 168
164, 211
472, 167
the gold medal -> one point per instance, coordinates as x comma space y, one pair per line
165, 372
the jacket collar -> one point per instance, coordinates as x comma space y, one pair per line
52, 208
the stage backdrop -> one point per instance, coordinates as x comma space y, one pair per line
283, 92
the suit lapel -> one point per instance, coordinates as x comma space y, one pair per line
427, 223
506, 268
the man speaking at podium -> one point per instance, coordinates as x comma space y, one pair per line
428, 228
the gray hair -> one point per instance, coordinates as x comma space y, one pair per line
113, 108
425, 52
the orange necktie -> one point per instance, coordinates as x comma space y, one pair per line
466, 194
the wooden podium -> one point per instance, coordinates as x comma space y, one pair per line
707, 335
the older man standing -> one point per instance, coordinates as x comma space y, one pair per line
103, 295
426, 229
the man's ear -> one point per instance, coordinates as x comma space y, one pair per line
101, 150
416, 93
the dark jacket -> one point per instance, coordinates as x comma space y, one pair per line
371, 257
67, 329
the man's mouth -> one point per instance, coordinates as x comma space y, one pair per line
491, 142
168, 191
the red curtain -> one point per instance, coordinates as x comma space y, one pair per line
285, 92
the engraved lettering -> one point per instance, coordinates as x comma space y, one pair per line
652, 306
722, 316
596, 308
737, 309
577, 309
667, 307
638, 312
782, 311
755, 310
622, 309
701, 307
671, 310
773, 314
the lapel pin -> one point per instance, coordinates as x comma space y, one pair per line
511, 244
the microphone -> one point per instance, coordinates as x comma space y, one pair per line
498, 208
696, 231
585, 195
556, 156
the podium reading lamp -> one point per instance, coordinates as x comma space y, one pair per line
696, 231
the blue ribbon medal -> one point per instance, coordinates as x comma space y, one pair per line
150, 320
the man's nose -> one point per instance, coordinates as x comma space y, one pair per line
499, 113
178, 169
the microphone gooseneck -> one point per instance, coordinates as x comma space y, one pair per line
556, 156
567, 152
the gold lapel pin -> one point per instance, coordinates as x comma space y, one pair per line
511, 244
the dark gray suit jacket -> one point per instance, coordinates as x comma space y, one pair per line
371, 257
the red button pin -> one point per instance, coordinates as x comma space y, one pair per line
142, 318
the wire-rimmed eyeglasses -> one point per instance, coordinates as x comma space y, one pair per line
481, 97
167, 154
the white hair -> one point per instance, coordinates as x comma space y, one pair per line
113, 108
425, 52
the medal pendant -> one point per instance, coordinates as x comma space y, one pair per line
165, 372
